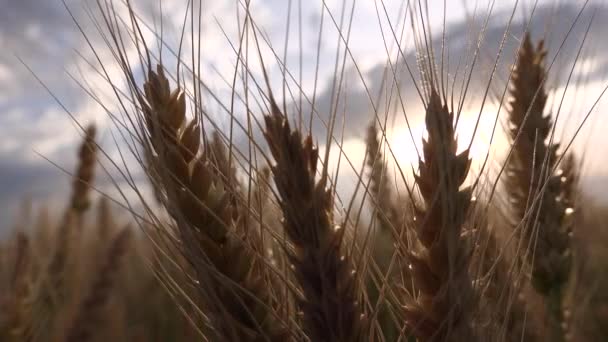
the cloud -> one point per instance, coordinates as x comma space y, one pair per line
461, 40
355, 109
21, 180
42, 33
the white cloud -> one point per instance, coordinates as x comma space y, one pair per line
41, 33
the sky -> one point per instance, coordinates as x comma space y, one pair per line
47, 63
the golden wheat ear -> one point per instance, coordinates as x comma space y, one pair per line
380, 185
440, 271
330, 302
52, 286
198, 197
79, 203
85, 172
387, 229
543, 199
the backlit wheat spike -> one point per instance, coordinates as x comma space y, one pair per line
236, 296
442, 311
539, 195
387, 232
380, 186
330, 302
83, 178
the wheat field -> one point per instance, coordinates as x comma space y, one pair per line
456, 209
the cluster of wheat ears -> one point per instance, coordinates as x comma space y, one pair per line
257, 245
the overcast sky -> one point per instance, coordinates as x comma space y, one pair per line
42, 34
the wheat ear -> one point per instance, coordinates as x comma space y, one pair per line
51, 288
380, 186
330, 302
440, 273
83, 178
105, 219
235, 295
539, 195
387, 232
79, 203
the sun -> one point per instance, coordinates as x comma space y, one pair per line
474, 132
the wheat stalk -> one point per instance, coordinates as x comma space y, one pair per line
18, 310
91, 311
500, 282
